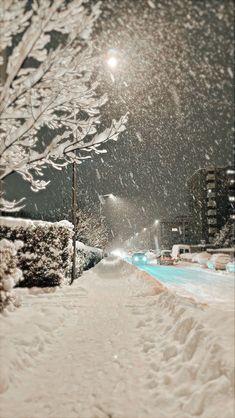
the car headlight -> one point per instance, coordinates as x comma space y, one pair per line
136, 258
144, 258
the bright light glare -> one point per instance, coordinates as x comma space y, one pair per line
118, 253
156, 222
112, 62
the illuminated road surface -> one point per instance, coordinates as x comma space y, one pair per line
204, 285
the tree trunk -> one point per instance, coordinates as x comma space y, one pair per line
74, 214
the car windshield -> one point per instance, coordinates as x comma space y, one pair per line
139, 254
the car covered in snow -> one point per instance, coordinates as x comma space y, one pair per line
165, 258
218, 261
151, 257
201, 258
178, 250
230, 267
139, 258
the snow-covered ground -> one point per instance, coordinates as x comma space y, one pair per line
116, 344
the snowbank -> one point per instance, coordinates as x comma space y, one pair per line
45, 258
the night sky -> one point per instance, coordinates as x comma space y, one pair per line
174, 77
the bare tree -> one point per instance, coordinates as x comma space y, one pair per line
48, 84
91, 229
226, 237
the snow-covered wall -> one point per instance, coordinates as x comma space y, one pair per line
45, 257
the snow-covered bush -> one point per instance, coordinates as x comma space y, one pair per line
45, 258
10, 274
86, 257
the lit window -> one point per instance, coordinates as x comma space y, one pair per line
174, 229
230, 171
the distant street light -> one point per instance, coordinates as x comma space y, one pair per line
156, 222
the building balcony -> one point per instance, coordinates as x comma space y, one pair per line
212, 221
211, 204
212, 230
211, 212
210, 193
210, 177
210, 185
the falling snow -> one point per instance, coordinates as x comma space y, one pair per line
174, 76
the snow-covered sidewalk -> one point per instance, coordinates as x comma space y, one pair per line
116, 344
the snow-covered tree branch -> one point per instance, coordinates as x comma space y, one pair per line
48, 83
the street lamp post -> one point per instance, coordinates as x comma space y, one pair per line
156, 236
112, 63
74, 216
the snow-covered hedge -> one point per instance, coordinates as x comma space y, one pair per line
45, 258
10, 274
87, 257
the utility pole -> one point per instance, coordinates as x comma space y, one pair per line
74, 216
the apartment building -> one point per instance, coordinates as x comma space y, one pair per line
211, 201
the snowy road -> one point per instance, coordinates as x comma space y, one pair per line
122, 348
203, 285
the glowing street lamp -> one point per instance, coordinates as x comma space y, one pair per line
112, 62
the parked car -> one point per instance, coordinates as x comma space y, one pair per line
179, 249
190, 257
139, 258
219, 261
151, 257
230, 267
165, 258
